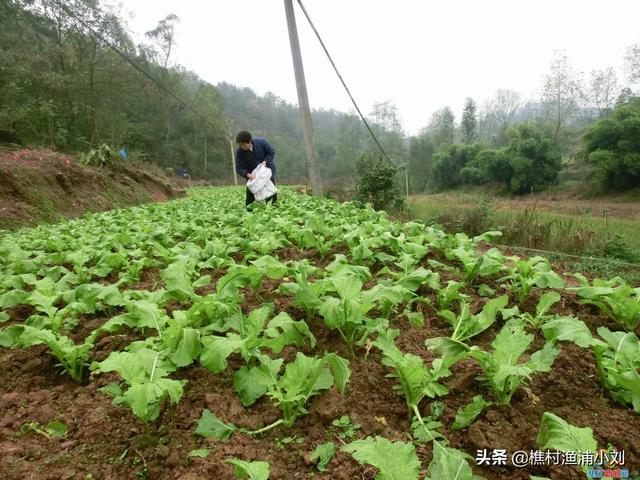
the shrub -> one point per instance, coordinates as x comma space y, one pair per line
533, 159
613, 145
449, 163
377, 183
101, 156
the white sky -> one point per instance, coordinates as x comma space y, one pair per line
420, 55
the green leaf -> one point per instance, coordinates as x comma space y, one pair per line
112, 389
211, 426
467, 414
510, 343
216, 350
251, 383
394, 460
250, 470
542, 360
547, 301
449, 464
56, 429
340, 370
556, 434
307, 376
485, 290
148, 315
569, 329
12, 298
323, 454
188, 348
201, 453
427, 431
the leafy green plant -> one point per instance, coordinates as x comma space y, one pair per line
614, 297
323, 454
415, 381
450, 293
345, 427
249, 335
398, 460
348, 313
502, 371
618, 361
467, 325
547, 300
307, 295
73, 357
210, 426
290, 391
51, 429
474, 265
101, 156
533, 272
144, 371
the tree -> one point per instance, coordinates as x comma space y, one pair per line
632, 63
388, 130
469, 124
498, 115
562, 91
163, 35
613, 145
533, 158
421, 151
603, 91
449, 162
626, 96
442, 127
386, 115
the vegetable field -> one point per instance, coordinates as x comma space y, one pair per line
192, 339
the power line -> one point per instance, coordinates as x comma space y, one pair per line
128, 60
304, 10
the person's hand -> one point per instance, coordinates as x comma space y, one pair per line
250, 176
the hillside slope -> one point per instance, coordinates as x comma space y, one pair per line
43, 186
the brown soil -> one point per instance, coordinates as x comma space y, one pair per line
108, 441
43, 186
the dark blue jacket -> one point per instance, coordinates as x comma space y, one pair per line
247, 161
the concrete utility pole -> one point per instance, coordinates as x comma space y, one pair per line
233, 157
313, 172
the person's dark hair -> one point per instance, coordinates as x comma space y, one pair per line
243, 137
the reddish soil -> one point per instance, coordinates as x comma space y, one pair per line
107, 441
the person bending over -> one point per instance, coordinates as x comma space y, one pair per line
251, 152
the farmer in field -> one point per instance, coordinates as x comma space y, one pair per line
252, 151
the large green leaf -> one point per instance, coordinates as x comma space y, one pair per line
211, 426
394, 460
556, 434
216, 350
250, 470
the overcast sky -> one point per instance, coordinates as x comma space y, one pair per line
420, 55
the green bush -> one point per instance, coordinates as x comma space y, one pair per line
449, 162
613, 145
101, 156
533, 159
377, 183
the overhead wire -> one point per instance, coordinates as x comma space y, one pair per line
364, 120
